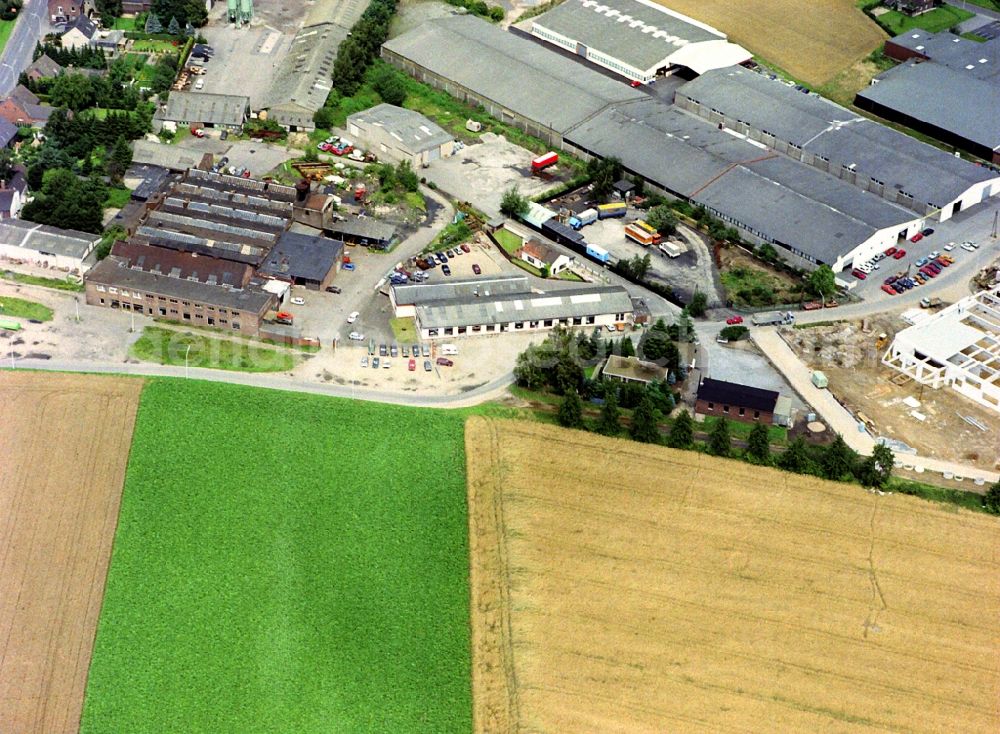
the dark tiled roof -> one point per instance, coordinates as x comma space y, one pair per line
183, 265
730, 393
302, 256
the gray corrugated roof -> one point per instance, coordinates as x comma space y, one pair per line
459, 288
414, 132
302, 79
42, 238
569, 303
216, 109
955, 52
535, 82
640, 34
114, 271
173, 157
940, 96
302, 256
366, 227
844, 137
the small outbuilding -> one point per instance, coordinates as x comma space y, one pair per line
544, 257
398, 134
633, 369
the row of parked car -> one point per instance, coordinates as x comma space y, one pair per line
386, 363
928, 268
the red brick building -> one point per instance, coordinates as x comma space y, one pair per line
738, 402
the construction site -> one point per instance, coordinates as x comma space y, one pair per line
933, 422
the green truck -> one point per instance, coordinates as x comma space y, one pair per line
9, 324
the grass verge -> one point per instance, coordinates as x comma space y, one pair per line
404, 330
509, 241
940, 19
6, 28
20, 308
167, 346
55, 283
271, 573
118, 197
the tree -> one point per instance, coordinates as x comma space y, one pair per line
822, 282
571, 410
685, 327
625, 347
673, 357
388, 84
174, 28
662, 218
839, 460
6, 164
645, 422
119, 160
324, 118
719, 443
512, 204
655, 344
153, 24
682, 431
699, 302
796, 457
68, 202
876, 469
406, 177
991, 501
604, 174
73, 91
608, 422
759, 445
734, 332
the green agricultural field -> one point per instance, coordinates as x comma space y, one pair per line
20, 308
285, 563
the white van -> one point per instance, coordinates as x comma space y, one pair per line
449, 349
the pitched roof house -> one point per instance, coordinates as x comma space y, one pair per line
13, 194
79, 33
43, 68
541, 255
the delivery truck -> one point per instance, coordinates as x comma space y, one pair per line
587, 216
598, 253
773, 318
608, 211
670, 249
542, 162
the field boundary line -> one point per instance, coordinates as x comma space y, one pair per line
494, 682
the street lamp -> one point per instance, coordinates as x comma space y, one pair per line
186, 353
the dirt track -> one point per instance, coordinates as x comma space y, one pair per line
64, 443
624, 588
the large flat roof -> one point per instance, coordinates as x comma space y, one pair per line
942, 96
639, 33
213, 109
302, 256
302, 79
843, 137
416, 293
46, 239
795, 204
502, 309
414, 132
972, 58
513, 72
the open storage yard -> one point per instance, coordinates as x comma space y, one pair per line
702, 594
811, 41
64, 443
285, 563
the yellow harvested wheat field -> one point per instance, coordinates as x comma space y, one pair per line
619, 587
812, 41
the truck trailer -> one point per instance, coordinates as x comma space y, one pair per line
587, 216
608, 211
773, 318
544, 161
598, 253
641, 235
670, 249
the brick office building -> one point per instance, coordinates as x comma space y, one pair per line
738, 402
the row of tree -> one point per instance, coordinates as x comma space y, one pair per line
185, 12
85, 57
68, 201
361, 48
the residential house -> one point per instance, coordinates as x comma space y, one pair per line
738, 402
65, 11
43, 68
912, 7
79, 33
22, 107
544, 257
8, 133
633, 369
13, 194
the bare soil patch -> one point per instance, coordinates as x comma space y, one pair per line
701, 594
812, 41
64, 444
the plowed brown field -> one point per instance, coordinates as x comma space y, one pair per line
813, 41
64, 443
618, 587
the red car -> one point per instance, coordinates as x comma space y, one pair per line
889, 289
444, 362
246, 173
635, 83
890, 252
732, 320
466, 248
859, 274
476, 269
942, 262
900, 254
412, 366
917, 237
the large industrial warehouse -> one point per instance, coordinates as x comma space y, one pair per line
820, 183
636, 39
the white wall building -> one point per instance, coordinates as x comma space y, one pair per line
397, 134
43, 246
958, 347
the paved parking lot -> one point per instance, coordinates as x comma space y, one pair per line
260, 157
481, 173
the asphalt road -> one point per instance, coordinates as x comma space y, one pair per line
21, 44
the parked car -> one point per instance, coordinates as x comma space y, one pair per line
427, 365
246, 173
891, 251
921, 262
298, 301
466, 248
352, 317
734, 320
917, 237
348, 266
383, 350
425, 350
927, 232
889, 289
446, 270
415, 350
635, 83
405, 349
933, 255
891, 279
476, 269
333, 289
394, 350
412, 365
859, 274
444, 362
355, 336
375, 362
200, 84
967, 246
450, 253
900, 254
949, 247
364, 361
948, 259
386, 364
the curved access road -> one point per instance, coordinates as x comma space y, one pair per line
283, 381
